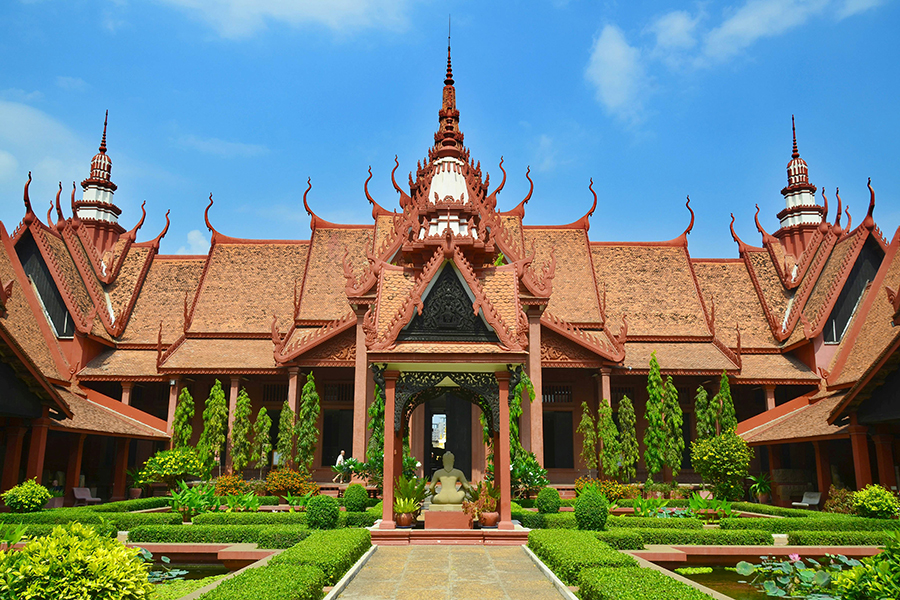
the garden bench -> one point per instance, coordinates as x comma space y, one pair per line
83, 497
810, 500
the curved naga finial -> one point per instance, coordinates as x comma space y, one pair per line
530, 183
849, 219
869, 221
594, 207
366, 186
765, 235
688, 206
503, 182
305, 204
165, 230
59, 212
27, 199
404, 197
836, 229
133, 233
206, 214
741, 245
823, 226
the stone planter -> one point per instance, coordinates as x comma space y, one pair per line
405, 520
134, 493
489, 520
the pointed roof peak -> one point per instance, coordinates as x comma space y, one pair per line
448, 80
103, 139
796, 153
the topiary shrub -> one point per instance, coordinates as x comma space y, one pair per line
172, 466
322, 512
591, 509
875, 502
28, 496
74, 561
356, 498
722, 461
548, 501
231, 485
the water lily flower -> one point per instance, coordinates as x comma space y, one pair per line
794, 557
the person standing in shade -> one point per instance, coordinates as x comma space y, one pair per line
338, 463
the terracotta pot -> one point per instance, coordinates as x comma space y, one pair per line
762, 498
134, 493
405, 519
489, 519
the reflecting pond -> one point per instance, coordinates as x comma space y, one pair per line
729, 583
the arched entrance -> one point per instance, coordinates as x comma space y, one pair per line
404, 391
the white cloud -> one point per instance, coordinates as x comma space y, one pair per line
8, 165
17, 95
196, 243
852, 7
72, 84
616, 70
675, 30
221, 148
545, 155
242, 18
754, 20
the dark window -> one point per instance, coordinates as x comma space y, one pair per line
337, 435
686, 435
558, 442
39, 274
861, 275
557, 393
275, 393
338, 392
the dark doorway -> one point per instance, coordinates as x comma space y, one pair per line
558, 441
337, 435
448, 426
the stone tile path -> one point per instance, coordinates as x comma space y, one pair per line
450, 573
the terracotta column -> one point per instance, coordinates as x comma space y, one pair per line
501, 453
390, 449
605, 385
774, 465
860, 445
73, 471
232, 406
418, 431
884, 456
120, 469
479, 454
360, 374
15, 435
293, 387
174, 389
770, 396
823, 469
536, 416
127, 386
38, 446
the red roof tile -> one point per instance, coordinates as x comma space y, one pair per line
235, 356
807, 422
677, 356
574, 296
728, 284
324, 298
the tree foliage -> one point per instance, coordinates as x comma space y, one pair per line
706, 418
673, 420
515, 411
240, 432
610, 451
215, 424
262, 444
628, 438
588, 430
375, 447
182, 429
655, 433
724, 406
284, 446
307, 423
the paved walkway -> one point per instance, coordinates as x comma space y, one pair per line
450, 573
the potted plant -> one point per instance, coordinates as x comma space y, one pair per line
405, 510
136, 488
761, 487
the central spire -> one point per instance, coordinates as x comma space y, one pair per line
448, 141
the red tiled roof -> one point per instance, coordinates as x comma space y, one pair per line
93, 417
123, 288
806, 422
232, 355
122, 364
775, 368
501, 288
728, 284
323, 296
773, 292
393, 291
574, 296
677, 356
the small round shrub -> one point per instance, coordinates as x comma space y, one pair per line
356, 497
231, 485
840, 500
875, 502
28, 496
172, 466
322, 512
548, 501
723, 460
591, 509
74, 561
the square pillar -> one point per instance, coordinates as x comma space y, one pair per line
501, 453
360, 374
127, 386
536, 410
774, 465
390, 450
232, 406
417, 435
823, 469
174, 389
15, 436
73, 471
120, 469
38, 446
770, 396
293, 387
860, 445
884, 456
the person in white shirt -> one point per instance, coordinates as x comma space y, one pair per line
338, 463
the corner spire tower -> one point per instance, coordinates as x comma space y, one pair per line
801, 215
96, 209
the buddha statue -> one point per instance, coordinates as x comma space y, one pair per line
448, 477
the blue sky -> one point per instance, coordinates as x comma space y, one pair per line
248, 98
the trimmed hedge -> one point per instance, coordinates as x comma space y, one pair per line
272, 582
56, 516
621, 539
674, 503
531, 520
653, 523
131, 505
334, 552
264, 536
128, 521
567, 553
563, 520
778, 511
839, 538
357, 519
705, 537
633, 584
834, 522
251, 518
34, 531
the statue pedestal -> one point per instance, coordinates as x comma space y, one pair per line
450, 517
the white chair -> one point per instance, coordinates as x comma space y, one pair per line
810, 500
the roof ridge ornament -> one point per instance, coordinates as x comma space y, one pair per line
29, 213
796, 153
836, 229
869, 221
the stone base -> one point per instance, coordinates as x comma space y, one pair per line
445, 507
444, 519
